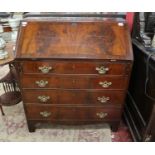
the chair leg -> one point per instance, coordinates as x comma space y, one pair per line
2, 110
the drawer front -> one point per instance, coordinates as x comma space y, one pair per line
107, 97
46, 112
69, 67
75, 82
73, 97
55, 97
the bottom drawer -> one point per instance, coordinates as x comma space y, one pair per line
79, 113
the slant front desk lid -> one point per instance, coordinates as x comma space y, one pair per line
82, 39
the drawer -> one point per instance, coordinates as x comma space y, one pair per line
74, 82
71, 97
48, 112
76, 67
55, 96
107, 97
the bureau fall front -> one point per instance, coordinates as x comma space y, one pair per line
73, 71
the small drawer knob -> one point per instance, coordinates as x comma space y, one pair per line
102, 70
102, 114
41, 83
45, 69
43, 98
105, 84
45, 113
103, 99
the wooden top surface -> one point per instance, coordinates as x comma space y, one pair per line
11, 56
74, 40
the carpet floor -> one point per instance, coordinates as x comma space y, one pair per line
13, 128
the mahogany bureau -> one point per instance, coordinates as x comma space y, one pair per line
73, 71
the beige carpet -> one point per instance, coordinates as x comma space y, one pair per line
13, 128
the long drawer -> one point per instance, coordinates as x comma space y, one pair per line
74, 82
76, 67
48, 112
60, 96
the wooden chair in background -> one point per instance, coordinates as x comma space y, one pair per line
11, 95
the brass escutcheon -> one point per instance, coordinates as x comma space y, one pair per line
43, 98
102, 69
45, 113
105, 84
103, 99
41, 83
102, 114
45, 69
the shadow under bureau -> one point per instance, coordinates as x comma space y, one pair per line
73, 71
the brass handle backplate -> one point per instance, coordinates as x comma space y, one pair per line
41, 83
43, 98
102, 69
103, 99
105, 84
102, 114
45, 113
45, 69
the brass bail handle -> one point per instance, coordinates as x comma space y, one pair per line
41, 83
102, 114
102, 69
105, 84
45, 113
45, 69
103, 99
43, 98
